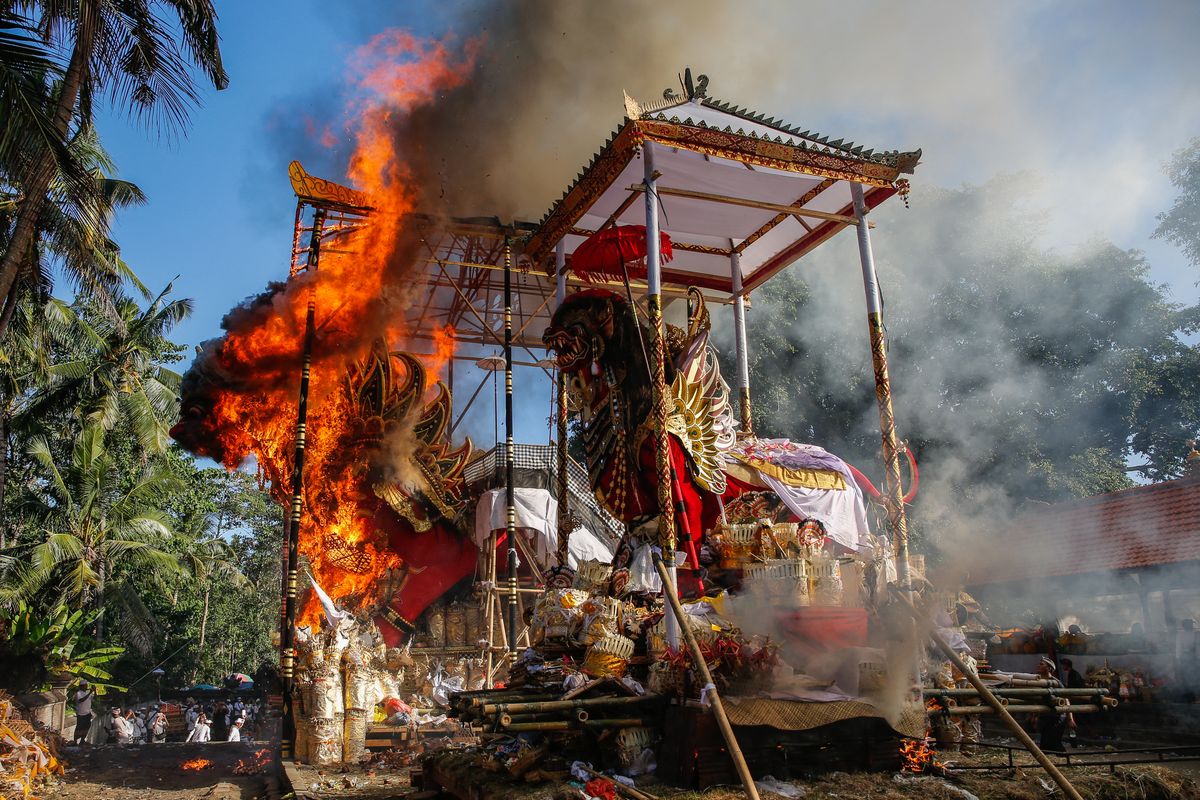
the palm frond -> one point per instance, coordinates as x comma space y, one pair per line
135, 622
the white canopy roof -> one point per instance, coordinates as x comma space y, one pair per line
730, 181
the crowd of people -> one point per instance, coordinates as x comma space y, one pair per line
223, 721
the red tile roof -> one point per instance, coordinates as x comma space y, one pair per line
1140, 527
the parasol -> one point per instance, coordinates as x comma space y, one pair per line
616, 253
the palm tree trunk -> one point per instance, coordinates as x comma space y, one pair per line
34, 191
204, 616
3, 470
100, 602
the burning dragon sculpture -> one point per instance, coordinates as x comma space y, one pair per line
595, 336
383, 493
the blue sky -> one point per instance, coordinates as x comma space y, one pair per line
1092, 96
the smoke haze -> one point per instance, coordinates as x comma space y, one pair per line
1091, 98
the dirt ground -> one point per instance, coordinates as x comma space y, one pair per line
380, 781
153, 772
1133, 782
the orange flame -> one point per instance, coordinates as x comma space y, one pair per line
364, 281
196, 764
918, 756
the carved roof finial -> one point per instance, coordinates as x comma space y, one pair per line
1193, 460
692, 90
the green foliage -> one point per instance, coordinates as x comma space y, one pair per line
39, 646
1180, 225
157, 555
177, 561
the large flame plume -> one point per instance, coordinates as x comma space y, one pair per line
241, 393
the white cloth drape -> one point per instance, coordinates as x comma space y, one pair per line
841, 511
537, 521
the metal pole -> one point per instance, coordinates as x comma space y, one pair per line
741, 351
897, 522
564, 524
658, 374
509, 453
287, 639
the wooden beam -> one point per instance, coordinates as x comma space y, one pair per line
621, 209
844, 219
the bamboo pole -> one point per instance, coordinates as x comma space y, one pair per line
509, 719
986, 695
567, 705
591, 724
515, 697
1002, 691
718, 708
970, 711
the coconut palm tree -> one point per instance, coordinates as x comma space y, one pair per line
25, 362
128, 49
27, 72
116, 377
94, 530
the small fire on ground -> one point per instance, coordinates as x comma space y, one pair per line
255, 764
196, 764
918, 757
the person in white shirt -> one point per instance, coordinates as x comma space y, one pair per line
119, 729
235, 731
200, 731
83, 712
190, 717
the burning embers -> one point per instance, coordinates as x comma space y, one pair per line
917, 756
196, 764
255, 764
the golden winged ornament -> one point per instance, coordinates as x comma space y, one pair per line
702, 417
